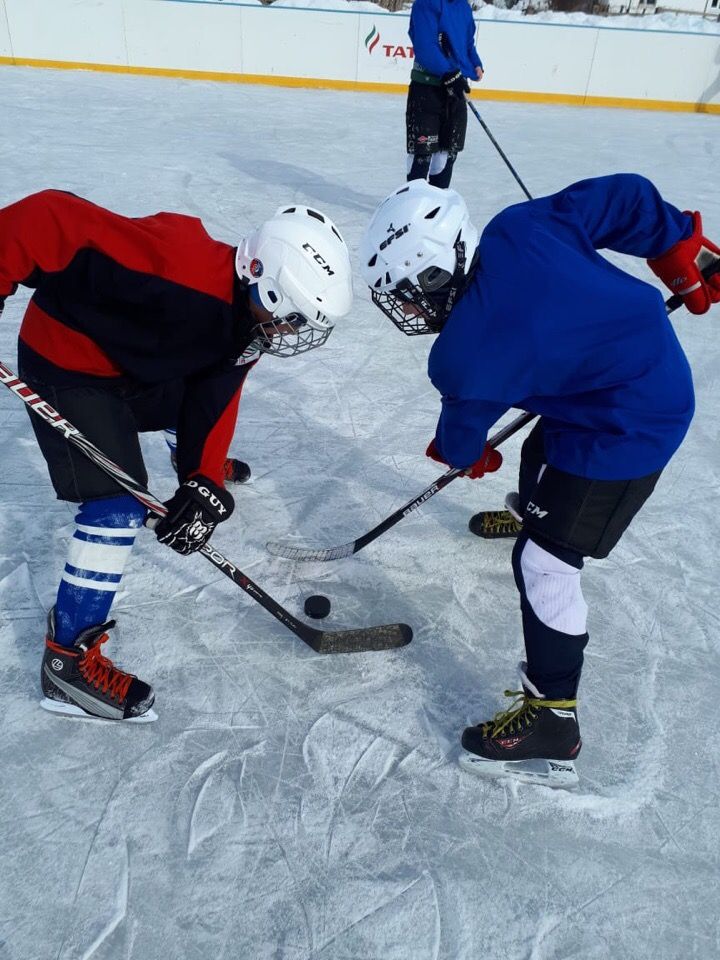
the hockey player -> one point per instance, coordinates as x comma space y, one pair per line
534, 317
139, 325
443, 38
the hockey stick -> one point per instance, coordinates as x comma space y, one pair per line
386, 637
499, 149
289, 552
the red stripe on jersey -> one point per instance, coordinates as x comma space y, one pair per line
63, 346
217, 442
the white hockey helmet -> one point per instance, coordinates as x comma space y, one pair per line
298, 268
416, 255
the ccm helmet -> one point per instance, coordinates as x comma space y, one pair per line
297, 267
417, 254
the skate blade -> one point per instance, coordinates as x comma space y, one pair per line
549, 773
71, 710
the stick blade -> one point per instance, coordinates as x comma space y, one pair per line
290, 552
389, 636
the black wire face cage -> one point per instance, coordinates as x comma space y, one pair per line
424, 317
432, 298
273, 339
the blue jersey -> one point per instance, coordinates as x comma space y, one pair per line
549, 325
453, 19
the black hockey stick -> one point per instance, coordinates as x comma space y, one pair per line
386, 637
289, 552
499, 149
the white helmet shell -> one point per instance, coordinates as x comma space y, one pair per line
417, 227
300, 265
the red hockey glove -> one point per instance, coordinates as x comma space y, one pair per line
198, 506
680, 269
489, 462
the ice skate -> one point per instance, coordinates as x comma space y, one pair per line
234, 471
498, 524
535, 740
79, 681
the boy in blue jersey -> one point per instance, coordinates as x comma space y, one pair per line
443, 38
534, 317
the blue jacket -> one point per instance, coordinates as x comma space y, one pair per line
550, 326
452, 18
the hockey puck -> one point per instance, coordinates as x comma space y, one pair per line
317, 607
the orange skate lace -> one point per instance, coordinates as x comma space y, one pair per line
102, 673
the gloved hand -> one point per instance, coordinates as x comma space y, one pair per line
197, 507
680, 269
455, 84
490, 461
2, 304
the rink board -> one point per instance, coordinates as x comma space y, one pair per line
366, 51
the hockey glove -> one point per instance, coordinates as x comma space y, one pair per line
490, 461
198, 506
2, 305
455, 84
680, 269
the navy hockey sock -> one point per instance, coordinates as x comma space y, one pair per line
99, 549
420, 167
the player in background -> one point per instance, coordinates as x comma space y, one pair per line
443, 38
137, 325
534, 317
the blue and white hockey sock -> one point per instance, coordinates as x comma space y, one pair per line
99, 549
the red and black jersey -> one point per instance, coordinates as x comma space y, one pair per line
151, 298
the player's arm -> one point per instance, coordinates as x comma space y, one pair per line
424, 31
207, 422
472, 50
461, 435
204, 431
626, 213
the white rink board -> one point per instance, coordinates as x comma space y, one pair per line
237, 40
81, 31
182, 36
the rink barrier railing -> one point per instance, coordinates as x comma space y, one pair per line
232, 42
517, 96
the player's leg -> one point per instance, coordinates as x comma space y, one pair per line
566, 518
76, 677
423, 114
451, 140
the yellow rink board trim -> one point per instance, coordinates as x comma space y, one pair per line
518, 96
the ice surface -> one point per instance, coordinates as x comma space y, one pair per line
287, 806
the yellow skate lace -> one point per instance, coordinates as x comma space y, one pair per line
520, 713
500, 522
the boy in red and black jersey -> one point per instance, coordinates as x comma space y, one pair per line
141, 324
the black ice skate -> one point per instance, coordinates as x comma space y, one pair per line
234, 471
79, 681
535, 740
498, 524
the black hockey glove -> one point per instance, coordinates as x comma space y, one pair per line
455, 84
198, 506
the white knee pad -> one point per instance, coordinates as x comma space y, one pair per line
438, 161
553, 590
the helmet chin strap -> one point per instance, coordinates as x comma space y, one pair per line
456, 287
